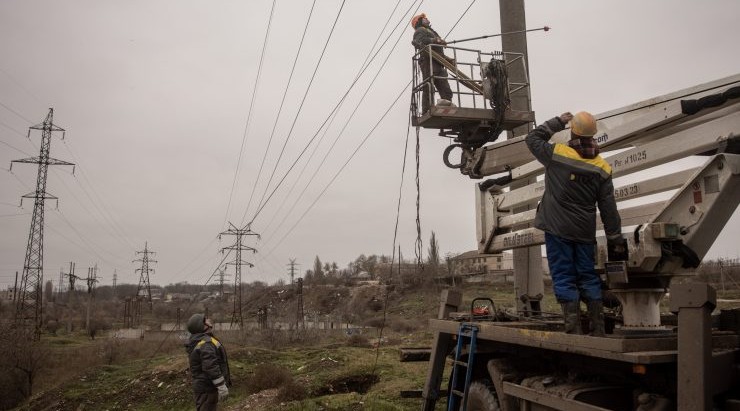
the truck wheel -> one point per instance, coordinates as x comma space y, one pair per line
482, 396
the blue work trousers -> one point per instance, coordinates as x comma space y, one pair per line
572, 270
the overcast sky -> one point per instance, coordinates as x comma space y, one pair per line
158, 96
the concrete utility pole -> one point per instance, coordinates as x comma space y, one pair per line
239, 233
527, 261
292, 266
28, 303
144, 286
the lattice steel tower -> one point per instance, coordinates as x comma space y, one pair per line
28, 302
144, 271
240, 233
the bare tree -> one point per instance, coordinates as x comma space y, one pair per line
24, 359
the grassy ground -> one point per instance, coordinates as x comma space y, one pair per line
271, 369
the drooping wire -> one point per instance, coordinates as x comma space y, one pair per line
280, 110
395, 237
418, 222
418, 245
249, 113
300, 107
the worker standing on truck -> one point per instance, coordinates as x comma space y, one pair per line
424, 36
577, 180
209, 366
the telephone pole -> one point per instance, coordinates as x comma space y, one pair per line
239, 233
144, 289
29, 304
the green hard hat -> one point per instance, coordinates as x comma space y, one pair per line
196, 324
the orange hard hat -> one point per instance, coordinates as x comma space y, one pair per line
416, 19
583, 124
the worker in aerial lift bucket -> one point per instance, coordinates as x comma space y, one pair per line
577, 180
424, 36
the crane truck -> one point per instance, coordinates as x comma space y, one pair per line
649, 360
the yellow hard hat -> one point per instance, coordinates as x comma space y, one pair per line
583, 124
416, 19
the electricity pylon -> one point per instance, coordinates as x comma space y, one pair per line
292, 270
28, 302
239, 233
144, 286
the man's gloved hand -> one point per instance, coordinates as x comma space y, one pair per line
223, 392
616, 249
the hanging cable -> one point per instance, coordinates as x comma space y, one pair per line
418, 245
395, 237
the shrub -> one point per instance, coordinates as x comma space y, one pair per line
358, 340
268, 376
292, 390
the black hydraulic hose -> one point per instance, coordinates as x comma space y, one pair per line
690, 107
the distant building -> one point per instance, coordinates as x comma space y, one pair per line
178, 297
8, 295
473, 266
472, 263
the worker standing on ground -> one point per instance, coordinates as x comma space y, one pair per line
577, 180
209, 367
424, 36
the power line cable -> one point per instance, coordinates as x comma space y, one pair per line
13, 129
336, 106
295, 184
300, 107
21, 87
334, 116
249, 114
380, 69
103, 208
362, 143
14, 148
280, 109
386, 297
16, 113
82, 204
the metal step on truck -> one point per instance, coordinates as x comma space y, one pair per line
649, 360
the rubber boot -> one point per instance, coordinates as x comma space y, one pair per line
596, 315
572, 317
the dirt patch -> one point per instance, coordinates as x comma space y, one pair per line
359, 383
260, 401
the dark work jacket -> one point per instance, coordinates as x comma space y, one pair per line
574, 187
209, 366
